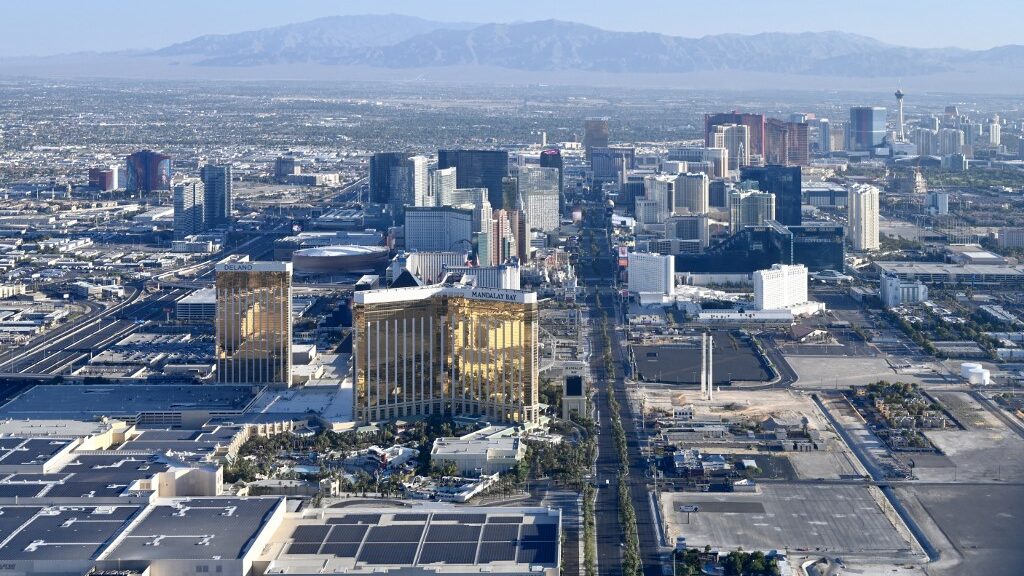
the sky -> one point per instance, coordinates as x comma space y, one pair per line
44, 27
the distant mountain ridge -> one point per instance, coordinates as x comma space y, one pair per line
404, 42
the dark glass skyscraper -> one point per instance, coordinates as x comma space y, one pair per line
867, 128
784, 182
595, 133
552, 158
478, 169
819, 246
148, 171
383, 166
217, 199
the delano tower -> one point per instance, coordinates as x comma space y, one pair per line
447, 350
254, 322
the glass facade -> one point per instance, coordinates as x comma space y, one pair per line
818, 246
451, 351
254, 323
382, 165
148, 171
595, 133
867, 128
785, 183
478, 169
218, 194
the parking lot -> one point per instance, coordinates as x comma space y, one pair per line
982, 522
839, 519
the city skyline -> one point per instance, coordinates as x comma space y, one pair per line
378, 294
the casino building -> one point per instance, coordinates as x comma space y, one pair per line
445, 349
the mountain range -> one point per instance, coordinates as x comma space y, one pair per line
405, 47
397, 42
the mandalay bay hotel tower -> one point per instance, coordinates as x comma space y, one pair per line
445, 349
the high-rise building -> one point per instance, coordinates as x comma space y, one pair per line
610, 163
463, 197
442, 186
510, 193
717, 157
927, 141
538, 189
718, 193
483, 231
951, 141
383, 168
103, 178
595, 134
552, 158
285, 166
398, 180
735, 138
148, 171
973, 133
937, 203
254, 322
994, 134
438, 228
819, 246
651, 273
445, 350
505, 276
478, 169
784, 182
691, 194
781, 286
820, 135
839, 131
218, 199
862, 205
749, 208
753, 122
510, 238
658, 200
416, 183
786, 143
189, 209
866, 130
693, 227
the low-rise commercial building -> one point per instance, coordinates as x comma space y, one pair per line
492, 449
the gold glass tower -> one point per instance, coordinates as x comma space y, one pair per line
254, 322
445, 350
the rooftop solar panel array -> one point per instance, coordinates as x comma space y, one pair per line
501, 532
461, 518
340, 549
346, 532
395, 533
453, 533
505, 520
497, 552
429, 538
355, 519
388, 553
449, 553
410, 517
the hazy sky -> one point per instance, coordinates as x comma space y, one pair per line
39, 27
